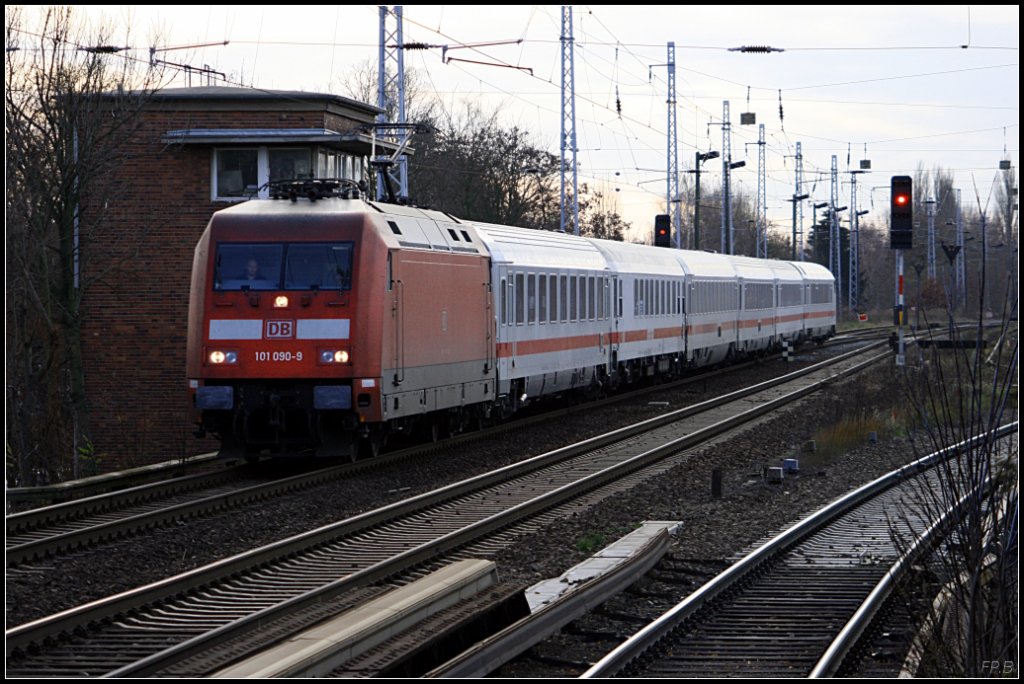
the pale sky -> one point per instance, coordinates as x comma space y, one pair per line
893, 84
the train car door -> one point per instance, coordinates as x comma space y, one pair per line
396, 288
506, 327
684, 331
615, 337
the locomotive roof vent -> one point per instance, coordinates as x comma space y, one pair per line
316, 188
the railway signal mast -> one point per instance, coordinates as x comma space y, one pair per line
901, 237
673, 200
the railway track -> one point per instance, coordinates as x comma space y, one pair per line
52, 530
49, 530
147, 630
795, 606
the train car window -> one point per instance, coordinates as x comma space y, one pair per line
611, 298
531, 302
553, 299
542, 315
572, 298
563, 299
520, 299
503, 294
583, 297
247, 266
757, 296
591, 303
511, 298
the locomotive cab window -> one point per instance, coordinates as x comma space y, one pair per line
292, 266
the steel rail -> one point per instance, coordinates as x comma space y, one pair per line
647, 637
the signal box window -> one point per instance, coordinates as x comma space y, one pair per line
237, 173
290, 164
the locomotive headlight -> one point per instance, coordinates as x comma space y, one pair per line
280, 302
333, 356
219, 357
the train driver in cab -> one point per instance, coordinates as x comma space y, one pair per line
252, 271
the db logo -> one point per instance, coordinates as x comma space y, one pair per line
280, 329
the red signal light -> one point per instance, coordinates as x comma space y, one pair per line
662, 231
901, 228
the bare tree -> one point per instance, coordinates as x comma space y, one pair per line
71, 104
966, 394
599, 215
361, 83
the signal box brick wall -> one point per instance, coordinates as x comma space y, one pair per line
136, 271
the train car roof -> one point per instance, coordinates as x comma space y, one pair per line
786, 270
706, 264
539, 248
753, 269
627, 257
813, 271
749, 267
272, 208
